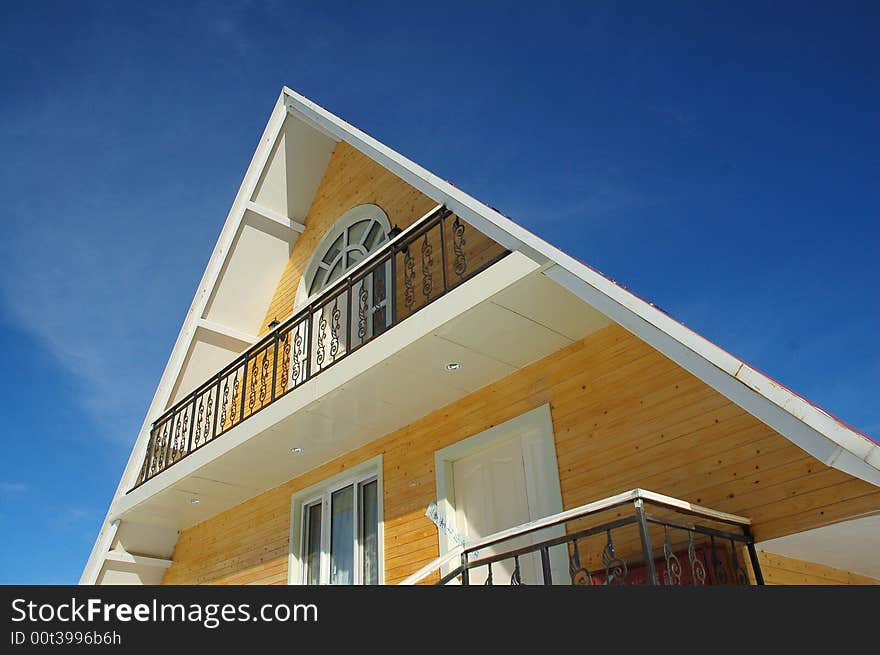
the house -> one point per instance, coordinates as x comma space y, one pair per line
382, 380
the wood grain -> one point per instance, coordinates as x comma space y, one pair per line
624, 416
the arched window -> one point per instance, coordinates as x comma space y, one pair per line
357, 233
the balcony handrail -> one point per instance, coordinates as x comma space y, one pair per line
560, 518
303, 311
354, 271
171, 433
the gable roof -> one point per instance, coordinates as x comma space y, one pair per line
824, 436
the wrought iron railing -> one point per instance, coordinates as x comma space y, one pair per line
637, 537
415, 268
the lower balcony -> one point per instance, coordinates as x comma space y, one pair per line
634, 538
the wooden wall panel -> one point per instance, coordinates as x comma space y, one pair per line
624, 416
779, 570
351, 179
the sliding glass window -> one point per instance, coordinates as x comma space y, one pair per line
340, 534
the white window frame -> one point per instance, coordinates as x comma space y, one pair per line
321, 492
349, 218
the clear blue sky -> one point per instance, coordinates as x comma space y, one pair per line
722, 162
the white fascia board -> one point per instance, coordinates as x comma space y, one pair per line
812, 428
190, 324
99, 550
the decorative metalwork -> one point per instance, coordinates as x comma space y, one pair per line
615, 567
698, 569
717, 565
166, 442
199, 416
297, 353
379, 293
322, 334
175, 447
363, 307
183, 448
580, 575
673, 565
459, 264
153, 454
233, 403
285, 360
252, 396
210, 409
158, 448
224, 404
516, 578
489, 582
264, 377
334, 329
384, 298
738, 570
427, 268
409, 276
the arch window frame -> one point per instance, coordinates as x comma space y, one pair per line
342, 247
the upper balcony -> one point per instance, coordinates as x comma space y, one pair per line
436, 314
416, 268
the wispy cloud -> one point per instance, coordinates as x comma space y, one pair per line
87, 271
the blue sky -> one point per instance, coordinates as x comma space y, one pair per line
720, 161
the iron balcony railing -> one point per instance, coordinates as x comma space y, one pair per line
637, 537
415, 268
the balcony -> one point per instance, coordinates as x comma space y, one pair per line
416, 268
635, 538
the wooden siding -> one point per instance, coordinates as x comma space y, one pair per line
351, 179
624, 416
779, 570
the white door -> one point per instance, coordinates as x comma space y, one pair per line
491, 495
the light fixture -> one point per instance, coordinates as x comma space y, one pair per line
394, 231
296, 450
274, 324
194, 501
453, 366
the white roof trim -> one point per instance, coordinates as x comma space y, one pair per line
822, 435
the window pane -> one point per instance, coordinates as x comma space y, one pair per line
356, 231
317, 281
373, 238
313, 544
369, 532
342, 536
355, 255
333, 250
335, 272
